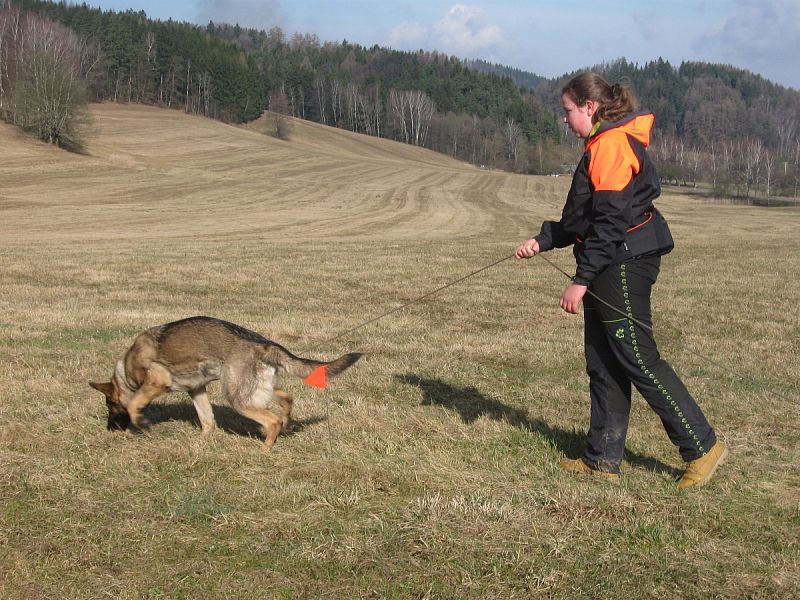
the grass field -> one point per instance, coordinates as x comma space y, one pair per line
429, 470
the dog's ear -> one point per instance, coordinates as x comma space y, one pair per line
106, 388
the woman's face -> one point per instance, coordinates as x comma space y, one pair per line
578, 118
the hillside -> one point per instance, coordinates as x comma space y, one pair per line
144, 167
150, 164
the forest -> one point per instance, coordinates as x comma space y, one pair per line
720, 130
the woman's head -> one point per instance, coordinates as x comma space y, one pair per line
588, 98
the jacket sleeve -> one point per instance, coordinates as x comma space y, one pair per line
611, 169
552, 236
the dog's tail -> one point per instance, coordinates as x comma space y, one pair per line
281, 358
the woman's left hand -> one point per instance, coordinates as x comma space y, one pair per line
572, 298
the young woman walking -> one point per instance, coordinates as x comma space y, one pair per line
618, 238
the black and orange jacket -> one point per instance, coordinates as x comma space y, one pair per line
609, 214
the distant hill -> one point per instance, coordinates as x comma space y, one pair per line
523, 79
705, 103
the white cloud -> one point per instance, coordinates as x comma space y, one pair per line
409, 36
761, 35
464, 31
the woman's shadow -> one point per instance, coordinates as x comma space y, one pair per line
471, 404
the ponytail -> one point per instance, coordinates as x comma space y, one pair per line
613, 101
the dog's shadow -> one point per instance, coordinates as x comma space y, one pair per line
228, 420
471, 404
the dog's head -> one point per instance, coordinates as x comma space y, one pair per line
118, 417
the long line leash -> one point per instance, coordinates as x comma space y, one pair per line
617, 310
628, 316
409, 303
329, 395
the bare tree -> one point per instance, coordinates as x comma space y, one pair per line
796, 165
512, 136
412, 111
751, 156
51, 65
787, 131
169, 93
204, 91
351, 105
10, 55
397, 105
188, 86
280, 110
275, 38
713, 159
475, 140
147, 66
423, 108
693, 158
336, 101
319, 89
769, 166
370, 103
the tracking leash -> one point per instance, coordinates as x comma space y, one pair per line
409, 303
329, 394
628, 316
633, 319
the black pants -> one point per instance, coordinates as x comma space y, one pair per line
620, 353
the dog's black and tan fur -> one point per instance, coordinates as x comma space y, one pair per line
187, 355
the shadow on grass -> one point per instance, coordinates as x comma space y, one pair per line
471, 404
227, 419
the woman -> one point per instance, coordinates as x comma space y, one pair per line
618, 238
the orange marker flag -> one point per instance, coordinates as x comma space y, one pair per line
318, 378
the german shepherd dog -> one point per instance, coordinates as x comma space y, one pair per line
187, 355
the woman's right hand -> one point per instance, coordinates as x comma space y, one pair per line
527, 249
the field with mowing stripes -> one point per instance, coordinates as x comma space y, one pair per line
428, 470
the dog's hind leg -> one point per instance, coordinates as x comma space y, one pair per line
157, 380
249, 392
269, 422
204, 411
284, 400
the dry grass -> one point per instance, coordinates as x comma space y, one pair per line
429, 469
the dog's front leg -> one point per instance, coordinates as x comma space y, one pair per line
204, 411
157, 381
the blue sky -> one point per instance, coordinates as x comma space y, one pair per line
545, 37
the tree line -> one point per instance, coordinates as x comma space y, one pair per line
234, 74
724, 127
716, 124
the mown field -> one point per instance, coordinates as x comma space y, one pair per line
430, 469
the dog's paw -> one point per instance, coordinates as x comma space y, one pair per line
208, 430
118, 422
141, 424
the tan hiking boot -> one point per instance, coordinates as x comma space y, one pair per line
579, 466
700, 470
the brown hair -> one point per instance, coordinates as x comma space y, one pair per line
613, 100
